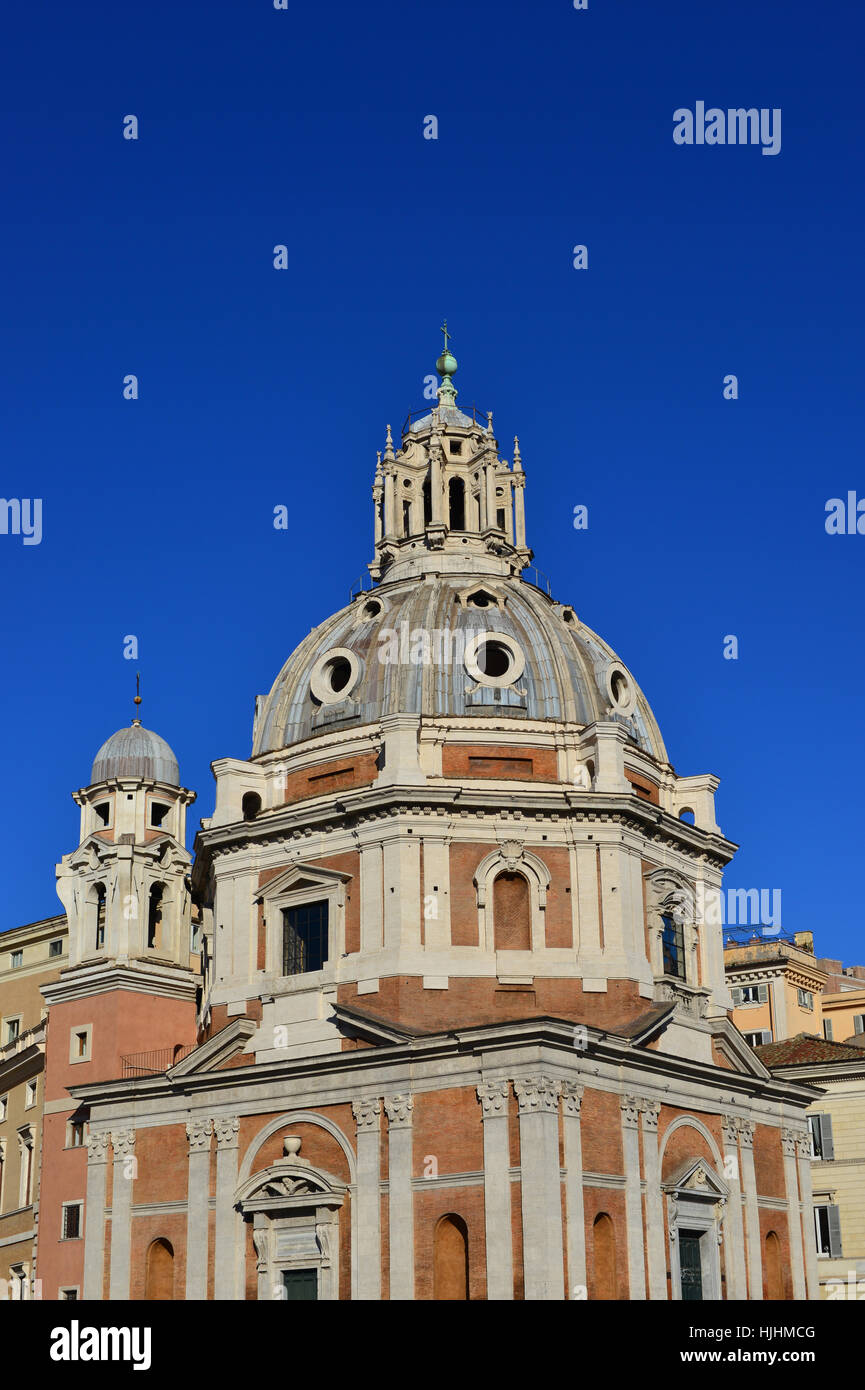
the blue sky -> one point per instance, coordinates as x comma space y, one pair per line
259, 127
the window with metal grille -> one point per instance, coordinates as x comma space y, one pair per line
71, 1221
673, 948
304, 938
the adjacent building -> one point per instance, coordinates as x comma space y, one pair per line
30, 956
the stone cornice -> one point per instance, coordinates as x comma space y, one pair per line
301, 820
555, 1035
83, 981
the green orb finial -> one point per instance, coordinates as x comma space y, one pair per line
446, 364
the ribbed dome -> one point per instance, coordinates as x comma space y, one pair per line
569, 673
136, 752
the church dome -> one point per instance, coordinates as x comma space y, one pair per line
136, 752
453, 644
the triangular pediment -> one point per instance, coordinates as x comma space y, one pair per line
730, 1043
300, 878
696, 1177
214, 1053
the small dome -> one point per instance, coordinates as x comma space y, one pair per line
136, 752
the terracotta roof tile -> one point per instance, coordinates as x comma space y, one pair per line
806, 1049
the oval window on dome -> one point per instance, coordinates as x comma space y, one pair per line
620, 689
334, 676
494, 658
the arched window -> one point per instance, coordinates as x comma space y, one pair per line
250, 805
154, 918
773, 1266
427, 503
512, 916
457, 504
159, 1272
100, 916
604, 1241
451, 1259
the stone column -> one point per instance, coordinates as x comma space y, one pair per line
752, 1211
435, 487
123, 1143
630, 1107
737, 1283
794, 1214
490, 491
389, 504
400, 1199
803, 1158
650, 1111
225, 1244
493, 1096
541, 1183
367, 1114
199, 1134
94, 1237
572, 1095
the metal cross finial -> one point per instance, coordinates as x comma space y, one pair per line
137, 700
444, 329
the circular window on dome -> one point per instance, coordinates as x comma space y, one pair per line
621, 690
334, 676
494, 658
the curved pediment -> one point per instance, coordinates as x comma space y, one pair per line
289, 1183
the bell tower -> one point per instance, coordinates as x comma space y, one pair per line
125, 1005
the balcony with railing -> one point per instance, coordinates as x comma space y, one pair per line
154, 1063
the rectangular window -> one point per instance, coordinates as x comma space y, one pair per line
806, 998
673, 948
55, 948
17, 959
13, 1028
80, 1041
103, 812
750, 994
75, 1134
859, 1023
29, 1095
3, 1104
822, 1142
67, 1295
158, 812
71, 1227
827, 1225
456, 446
827, 1029
304, 938
25, 1142
758, 1039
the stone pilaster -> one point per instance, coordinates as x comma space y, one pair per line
225, 1262
400, 1201
123, 1143
789, 1139
540, 1181
806, 1193
199, 1134
630, 1107
367, 1114
572, 1095
493, 1096
94, 1239
752, 1211
650, 1111
737, 1283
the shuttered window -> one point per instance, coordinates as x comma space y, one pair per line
822, 1144
827, 1222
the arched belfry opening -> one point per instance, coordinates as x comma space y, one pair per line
457, 504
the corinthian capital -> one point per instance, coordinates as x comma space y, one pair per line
225, 1130
123, 1142
97, 1145
572, 1097
398, 1110
493, 1096
199, 1133
538, 1094
367, 1113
